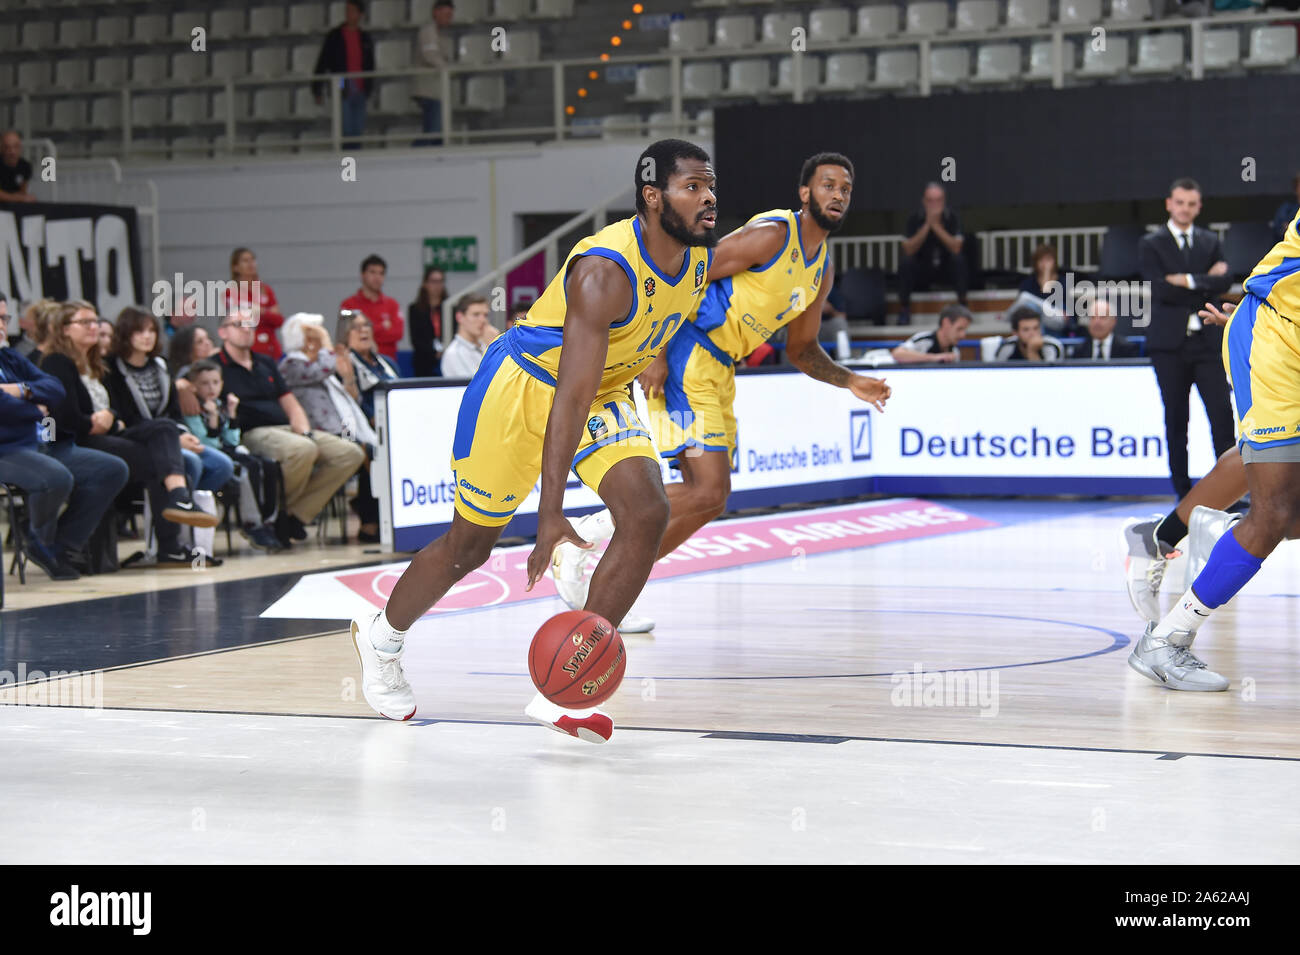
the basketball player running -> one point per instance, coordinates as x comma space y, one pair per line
772, 273
1261, 351
549, 396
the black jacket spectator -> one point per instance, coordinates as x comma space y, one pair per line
19, 416
72, 412
127, 401
1120, 347
334, 59
258, 389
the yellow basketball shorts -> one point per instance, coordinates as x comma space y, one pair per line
1261, 351
496, 455
695, 409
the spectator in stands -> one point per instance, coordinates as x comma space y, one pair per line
932, 248
1028, 343
309, 369
474, 332
173, 321
151, 449
243, 269
369, 367
86, 481
15, 171
349, 49
105, 339
518, 313
1186, 269
1286, 212
941, 344
190, 344
1036, 290
1102, 343
272, 423
425, 319
436, 53
141, 389
25, 342
384, 313
257, 476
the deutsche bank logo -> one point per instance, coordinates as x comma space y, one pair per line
860, 435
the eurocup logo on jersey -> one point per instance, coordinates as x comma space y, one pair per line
649, 285
817, 278
794, 255
596, 427
699, 274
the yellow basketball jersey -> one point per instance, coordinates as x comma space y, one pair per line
659, 303
1277, 277
742, 311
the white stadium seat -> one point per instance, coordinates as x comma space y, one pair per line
185, 22
829, 25
188, 67
302, 60
1271, 46
395, 96
1027, 14
703, 123
811, 70
484, 93
69, 113
304, 103
307, 18
69, 72
219, 105
927, 17
268, 61
147, 27
189, 108
731, 33
553, 10
660, 124
34, 74
226, 25
265, 22
977, 15
148, 109
701, 80
150, 68
1079, 12
76, 32
109, 71
474, 48
510, 11
896, 69
748, 77
36, 34
522, 46
621, 126
846, 71
686, 35
997, 63
1222, 48
1126, 11
1040, 59
385, 14
112, 31
778, 28
393, 54
471, 11
1159, 53
652, 83
271, 103
229, 64
877, 21
949, 65
1111, 61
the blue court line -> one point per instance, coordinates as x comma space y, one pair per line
1118, 642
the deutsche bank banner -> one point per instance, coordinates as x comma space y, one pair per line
1065, 429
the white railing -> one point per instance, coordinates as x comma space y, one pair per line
549, 243
866, 252
553, 74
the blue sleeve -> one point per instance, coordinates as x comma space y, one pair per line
46, 389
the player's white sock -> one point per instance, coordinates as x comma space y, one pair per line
596, 527
384, 637
1188, 614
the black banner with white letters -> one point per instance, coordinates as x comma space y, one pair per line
65, 251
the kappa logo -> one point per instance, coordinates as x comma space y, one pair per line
699, 274
596, 427
649, 285
507, 499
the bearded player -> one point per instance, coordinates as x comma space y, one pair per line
549, 396
772, 273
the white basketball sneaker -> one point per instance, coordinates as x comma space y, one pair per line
1144, 566
1170, 662
592, 725
382, 682
572, 567
1203, 532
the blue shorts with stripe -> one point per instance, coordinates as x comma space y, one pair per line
496, 455
1261, 351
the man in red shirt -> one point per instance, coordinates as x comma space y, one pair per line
384, 313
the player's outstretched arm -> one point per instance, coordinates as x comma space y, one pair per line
599, 294
750, 245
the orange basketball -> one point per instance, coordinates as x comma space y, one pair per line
577, 659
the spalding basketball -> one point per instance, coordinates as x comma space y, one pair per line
577, 659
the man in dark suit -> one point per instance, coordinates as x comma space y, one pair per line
1102, 344
1186, 269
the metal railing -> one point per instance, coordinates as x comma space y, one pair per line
455, 112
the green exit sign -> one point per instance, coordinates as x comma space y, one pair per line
456, 254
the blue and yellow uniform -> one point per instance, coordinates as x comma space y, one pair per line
738, 314
1261, 350
497, 450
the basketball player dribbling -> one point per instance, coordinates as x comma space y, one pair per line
1261, 351
551, 395
772, 273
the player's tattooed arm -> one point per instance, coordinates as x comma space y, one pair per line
598, 294
750, 245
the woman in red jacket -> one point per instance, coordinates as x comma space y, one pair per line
266, 340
